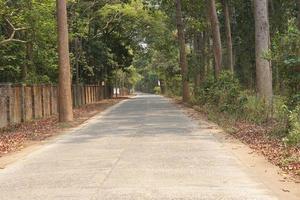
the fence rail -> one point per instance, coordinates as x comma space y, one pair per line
20, 103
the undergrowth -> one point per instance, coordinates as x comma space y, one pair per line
225, 102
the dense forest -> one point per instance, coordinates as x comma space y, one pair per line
237, 58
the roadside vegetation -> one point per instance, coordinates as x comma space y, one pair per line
271, 129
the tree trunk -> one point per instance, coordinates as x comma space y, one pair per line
29, 59
262, 45
216, 37
183, 59
298, 14
203, 55
77, 54
209, 57
162, 86
65, 95
199, 46
196, 47
29, 44
228, 35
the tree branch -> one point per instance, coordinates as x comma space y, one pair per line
12, 35
114, 17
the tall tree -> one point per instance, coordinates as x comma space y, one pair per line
262, 46
197, 52
183, 59
228, 35
199, 48
216, 37
65, 95
298, 13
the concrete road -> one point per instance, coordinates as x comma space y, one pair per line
143, 148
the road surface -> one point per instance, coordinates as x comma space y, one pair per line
143, 148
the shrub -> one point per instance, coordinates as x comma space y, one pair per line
280, 116
223, 99
254, 109
294, 100
173, 85
293, 137
222, 93
157, 90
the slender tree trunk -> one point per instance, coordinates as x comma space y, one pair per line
204, 55
65, 95
162, 86
216, 37
77, 54
28, 65
197, 53
28, 59
199, 46
233, 21
298, 14
228, 35
208, 55
262, 45
183, 60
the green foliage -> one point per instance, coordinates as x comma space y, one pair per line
37, 79
285, 56
157, 90
244, 42
225, 99
254, 109
280, 113
109, 34
226, 96
222, 93
174, 85
133, 77
294, 131
148, 82
36, 55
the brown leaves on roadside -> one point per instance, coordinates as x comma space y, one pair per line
257, 137
14, 137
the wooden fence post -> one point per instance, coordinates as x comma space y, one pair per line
42, 100
23, 103
50, 99
4, 105
33, 100
98, 93
9, 94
